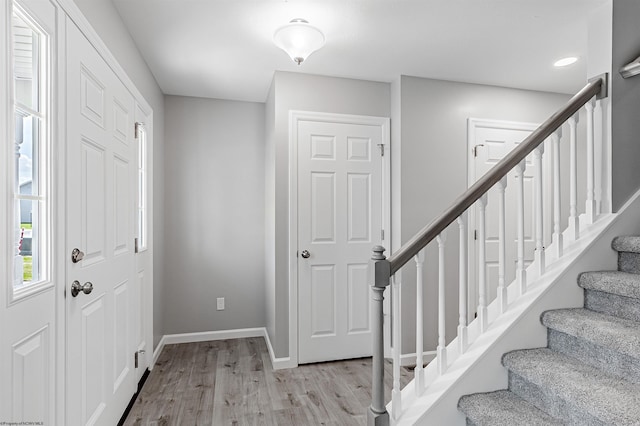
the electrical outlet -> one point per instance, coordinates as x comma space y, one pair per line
220, 301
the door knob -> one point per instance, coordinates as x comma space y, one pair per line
76, 255
76, 288
305, 254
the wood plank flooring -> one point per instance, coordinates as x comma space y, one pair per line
231, 382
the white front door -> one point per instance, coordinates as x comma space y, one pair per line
101, 182
29, 276
340, 207
489, 142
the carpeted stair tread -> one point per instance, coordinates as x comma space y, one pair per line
588, 389
502, 408
615, 333
615, 282
627, 243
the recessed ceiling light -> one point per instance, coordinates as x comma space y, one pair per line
564, 62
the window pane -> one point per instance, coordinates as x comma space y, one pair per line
141, 233
27, 140
30, 233
142, 187
25, 63
28, 261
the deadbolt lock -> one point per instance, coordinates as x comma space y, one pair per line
76, 255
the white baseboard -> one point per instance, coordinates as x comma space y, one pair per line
156, 352
172, 339
277, 363
410, 359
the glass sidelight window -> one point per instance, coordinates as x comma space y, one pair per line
141, 135
31, 214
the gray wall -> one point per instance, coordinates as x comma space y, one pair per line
214, 214
105, 19
432, 171
293, 91
625, 99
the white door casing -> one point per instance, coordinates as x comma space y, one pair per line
488, 142
340, 216
100, 222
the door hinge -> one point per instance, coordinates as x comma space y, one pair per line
136, 355
475, 149
475, 234
137, 129
381, 146
135, 245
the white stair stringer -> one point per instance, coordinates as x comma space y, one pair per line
479, 369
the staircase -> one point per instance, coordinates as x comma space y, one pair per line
589, 373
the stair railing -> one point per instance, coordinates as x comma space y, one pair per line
384, 269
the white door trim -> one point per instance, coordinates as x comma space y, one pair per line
294, 118
472, 125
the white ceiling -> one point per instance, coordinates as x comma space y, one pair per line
224, 49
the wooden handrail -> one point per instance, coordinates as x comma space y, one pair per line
493, 176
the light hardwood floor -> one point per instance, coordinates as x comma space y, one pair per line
231, 382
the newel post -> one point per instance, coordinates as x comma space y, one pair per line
377, 414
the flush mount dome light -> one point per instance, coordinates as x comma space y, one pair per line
565, 62
298, 39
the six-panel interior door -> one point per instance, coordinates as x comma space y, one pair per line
339, 220
492, 144
100, 217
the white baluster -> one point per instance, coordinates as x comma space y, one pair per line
557, 233
597, 156
462, 276
574, 220
521, 272
591, 202
482, 266
442, 348
418, 372
502, 290
396, 394
539, 210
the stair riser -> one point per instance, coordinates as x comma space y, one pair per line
550, 402
612, 304
616, 363
629, 262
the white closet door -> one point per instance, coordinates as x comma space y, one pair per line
339, 221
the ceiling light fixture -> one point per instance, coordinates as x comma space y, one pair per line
298, 39
565, 62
